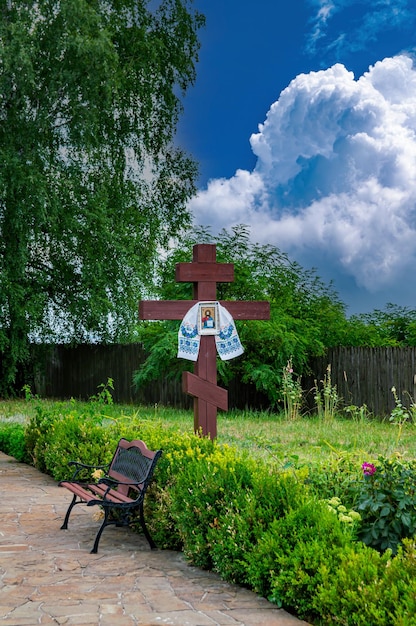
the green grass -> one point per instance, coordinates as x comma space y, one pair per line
263, 434
312, 440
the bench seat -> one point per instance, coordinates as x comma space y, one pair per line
120, 491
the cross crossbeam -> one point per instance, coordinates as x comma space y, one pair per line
176, 309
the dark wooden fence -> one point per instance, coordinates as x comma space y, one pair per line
78, 372
361, 375
367, 375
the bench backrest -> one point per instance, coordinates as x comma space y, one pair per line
133, 462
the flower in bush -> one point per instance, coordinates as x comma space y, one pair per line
387, 503
369, 469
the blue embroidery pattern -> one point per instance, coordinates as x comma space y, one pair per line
188, 330
228, 346
187, 343
189, 346
226, 331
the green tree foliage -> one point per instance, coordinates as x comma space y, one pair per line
90, 184
306, 315
393, 326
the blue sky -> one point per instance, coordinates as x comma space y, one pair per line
303, 121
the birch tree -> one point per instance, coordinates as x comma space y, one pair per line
91, 184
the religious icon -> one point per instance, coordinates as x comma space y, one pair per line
208, 318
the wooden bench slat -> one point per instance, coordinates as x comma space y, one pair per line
91, 491
112, 494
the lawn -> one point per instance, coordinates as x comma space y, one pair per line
264, 434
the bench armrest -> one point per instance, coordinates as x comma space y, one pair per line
79, 467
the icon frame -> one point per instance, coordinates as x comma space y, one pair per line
208, 327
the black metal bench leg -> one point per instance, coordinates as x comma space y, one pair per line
68, 513
144, 527
100, 532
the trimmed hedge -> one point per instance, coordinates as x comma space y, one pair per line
12, 441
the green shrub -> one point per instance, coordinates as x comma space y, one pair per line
55, 436
12, 441
76, 438
369, 588
350, 593
37, 431
231, 537
202, 491
402, 574
179, 452
289, 562
242, 523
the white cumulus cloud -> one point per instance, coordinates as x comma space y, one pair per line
335, 177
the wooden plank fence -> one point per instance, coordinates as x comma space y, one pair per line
77, 372
361, 375
367, 375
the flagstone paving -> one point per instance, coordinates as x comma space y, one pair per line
48, 576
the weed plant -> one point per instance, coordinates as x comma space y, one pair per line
326, 397
291, 392
400, 414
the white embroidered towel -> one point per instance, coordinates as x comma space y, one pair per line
188, 338
227, 340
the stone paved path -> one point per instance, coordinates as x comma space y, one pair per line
48, 576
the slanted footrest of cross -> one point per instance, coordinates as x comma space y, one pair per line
206, 391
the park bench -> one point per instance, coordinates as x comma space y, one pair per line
121, 489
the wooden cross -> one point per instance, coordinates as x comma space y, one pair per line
204, 272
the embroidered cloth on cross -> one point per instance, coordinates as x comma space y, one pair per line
227, 340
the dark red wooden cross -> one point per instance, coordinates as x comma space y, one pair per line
204, 272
